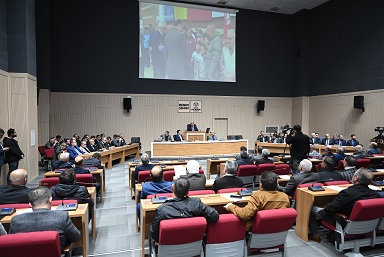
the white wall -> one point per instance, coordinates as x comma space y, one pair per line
151, 115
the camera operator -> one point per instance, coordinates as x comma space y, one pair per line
299, 146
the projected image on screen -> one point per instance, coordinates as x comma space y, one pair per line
186, 43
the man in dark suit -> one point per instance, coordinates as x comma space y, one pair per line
73, 150
43, 219
326, 140
192, 127
92, 145
103, 144
305, 176
144, 166
327, 171
343, 203
341, 141
16, 192
244, 159
175, 52
156, 43
3, 150
14, 154
314, 139
353, 141
94, 161
299, 146
178, 136
79, 163
333, 140
63, 162
229, 180
264, 157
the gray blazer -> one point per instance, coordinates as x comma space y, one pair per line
163, 136
295, 180
46, 220
196, 181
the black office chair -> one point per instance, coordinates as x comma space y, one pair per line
136, 140
231, 137
238, 137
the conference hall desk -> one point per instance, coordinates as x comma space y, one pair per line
98, 174
191, 136
305, 200
196, 149
212, 165
279, 148
117, 153
79, 218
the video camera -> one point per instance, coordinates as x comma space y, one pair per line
285, 128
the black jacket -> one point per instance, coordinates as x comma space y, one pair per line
299, 146
298, 179
347, 198
14, 154
330, 175
93, 148
181, 208
92, 162
227, 181
248, 161
61, 165
263, 160
14, 194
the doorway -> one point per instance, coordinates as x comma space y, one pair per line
220, 126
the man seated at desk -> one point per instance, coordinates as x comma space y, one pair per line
181, 206
328, 171
244, 159
16, 192
43, 219
68, 189
144, 166
196, 180
264, 157
373, 149
343, 203
192, 127
94, 161
213, 136
313, 153
349, 168
359, 152
229, 180
305, 176
266, 198
166, 137
178, 137
73, 150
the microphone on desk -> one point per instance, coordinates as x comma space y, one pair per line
68, 206
245, 192
314, 188
161, 199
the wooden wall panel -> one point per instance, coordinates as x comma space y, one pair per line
43, 116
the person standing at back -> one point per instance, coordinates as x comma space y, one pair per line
3, 150
299, 146
14, 154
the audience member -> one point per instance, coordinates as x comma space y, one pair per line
353, 141
259, 154
144, 166
305, 176
92, 145
14, 154
326, 140
58, 139
181, 206
52, 143
62, 148
122, 140
178, 136
333, 140
359, 152
343, 203
341, 141
116, 141
314, 139
212, 136
264, 199
94, 161
264, 157
83, 147
68, 189
328, 151
349, 168
157, 185
244, 159
79, 163
229, 180
196, 180
2, 150
63, 162
16, 192
43, 219
103, 144
373, 149
73, 150
313, 153
328, 171
260, 137
166, 137
339, 155
77, 139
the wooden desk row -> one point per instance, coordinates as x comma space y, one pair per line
279, 148
118, 153
79, 218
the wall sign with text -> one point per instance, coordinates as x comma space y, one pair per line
195, 106
183, 106
190, 106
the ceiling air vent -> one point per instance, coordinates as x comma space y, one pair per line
222, 2
274, 9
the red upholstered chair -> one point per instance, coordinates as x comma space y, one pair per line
32, 244
168, 175
180, 237
57, 202
169, 195
270, 229
49, 182
226, 237
49, 156
363, 163
85, 180
247, 174
377, 154
340, 165
334, 183
361, 226
318, 167
201, 172
282, 169
201, 192
15, 205
264, 167
41, 152
144, 176
293, 201
230, 190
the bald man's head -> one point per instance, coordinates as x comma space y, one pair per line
18, 177
79, 161
157, 173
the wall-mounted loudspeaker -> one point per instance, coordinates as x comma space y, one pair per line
260, 105
358, 102
127, 103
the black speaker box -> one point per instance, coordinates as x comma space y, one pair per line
127, 103
260, 105
358, 102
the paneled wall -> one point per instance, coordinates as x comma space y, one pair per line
153, 114
335, 114
18, 103
44, 110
